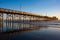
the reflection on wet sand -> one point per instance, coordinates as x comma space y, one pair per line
20, 26
1, 26
10, 33
9, 26
11, 29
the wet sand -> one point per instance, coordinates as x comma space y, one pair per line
8, 35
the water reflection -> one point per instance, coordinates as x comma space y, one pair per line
1, 26
32, 32
41, 33
11, 26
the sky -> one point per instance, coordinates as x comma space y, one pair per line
40, 7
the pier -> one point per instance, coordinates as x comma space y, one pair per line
16, 20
